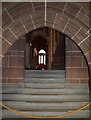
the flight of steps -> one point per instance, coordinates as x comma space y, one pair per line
44, 93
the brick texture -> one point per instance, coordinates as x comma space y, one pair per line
13, 63
76, 67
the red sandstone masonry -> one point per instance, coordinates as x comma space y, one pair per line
76, 67
13, 64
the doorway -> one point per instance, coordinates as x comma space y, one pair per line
46, 50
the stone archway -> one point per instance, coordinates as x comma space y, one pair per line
21, 18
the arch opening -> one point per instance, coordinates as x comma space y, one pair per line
51, 43
72, 34
70, 53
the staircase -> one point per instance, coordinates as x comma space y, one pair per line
44, 93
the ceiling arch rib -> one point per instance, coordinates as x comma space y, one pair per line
22, 9
72, 28
42, 26
73, 11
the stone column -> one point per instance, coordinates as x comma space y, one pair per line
27, 55
1, 60
50, 50
54, 43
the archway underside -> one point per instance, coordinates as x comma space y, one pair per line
21, 18
68, 18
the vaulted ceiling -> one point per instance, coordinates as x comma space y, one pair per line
71, 19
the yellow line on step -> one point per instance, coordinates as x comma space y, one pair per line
59, 116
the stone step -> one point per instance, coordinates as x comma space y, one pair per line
45, 74
44, 80
25, 106
45, 98
44, 85
81, 114
12, 85
63, 91
21, 85
45, 71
